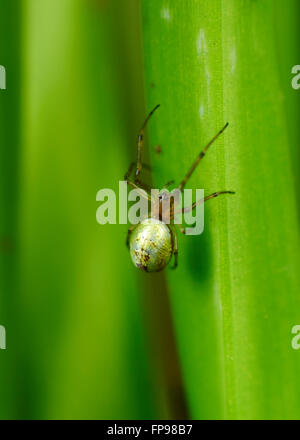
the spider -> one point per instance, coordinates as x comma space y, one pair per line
152, 242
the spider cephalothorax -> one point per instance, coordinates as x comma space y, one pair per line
153, 241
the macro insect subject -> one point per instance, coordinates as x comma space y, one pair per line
152, 242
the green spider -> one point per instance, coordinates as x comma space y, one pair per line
153, 242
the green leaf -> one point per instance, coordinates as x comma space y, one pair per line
235, 294
76, 341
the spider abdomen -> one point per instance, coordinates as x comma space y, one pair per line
151, 245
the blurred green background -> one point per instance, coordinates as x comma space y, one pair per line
88, 336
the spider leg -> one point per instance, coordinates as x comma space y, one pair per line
199, 157
140, 143
175, 247
211, 196
143, 185
138, 182
131, 167
127, 175
138, 189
